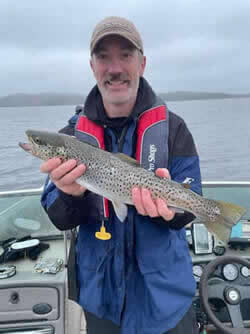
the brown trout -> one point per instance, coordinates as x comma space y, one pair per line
113, 175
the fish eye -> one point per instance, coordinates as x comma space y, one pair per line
37, 140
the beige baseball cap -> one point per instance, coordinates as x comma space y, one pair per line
114, 25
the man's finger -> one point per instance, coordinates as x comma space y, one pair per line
162, 172
48, 166
164, 211
62, 170
137, 200
72, 176
148, 203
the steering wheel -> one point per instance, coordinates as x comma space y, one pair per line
231, 294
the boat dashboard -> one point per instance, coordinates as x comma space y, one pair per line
221, 271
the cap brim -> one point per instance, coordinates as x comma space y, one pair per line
121, 34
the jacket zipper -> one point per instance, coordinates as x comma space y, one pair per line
121, 138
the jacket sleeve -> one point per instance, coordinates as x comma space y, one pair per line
184, 165
65, 211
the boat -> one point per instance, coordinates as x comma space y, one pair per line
34, 258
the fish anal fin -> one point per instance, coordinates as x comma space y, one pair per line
121, 210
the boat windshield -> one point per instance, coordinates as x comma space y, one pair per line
21, 215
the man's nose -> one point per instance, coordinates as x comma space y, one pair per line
114, 66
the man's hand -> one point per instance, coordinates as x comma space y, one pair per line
64, 175
146, 206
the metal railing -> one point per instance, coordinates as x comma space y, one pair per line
20, 193
229, 184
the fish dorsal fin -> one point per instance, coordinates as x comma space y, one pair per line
128, 159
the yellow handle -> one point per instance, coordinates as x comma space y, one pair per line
103, 235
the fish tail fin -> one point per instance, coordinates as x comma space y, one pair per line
229, 215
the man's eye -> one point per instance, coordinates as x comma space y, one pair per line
126, 55
101, 56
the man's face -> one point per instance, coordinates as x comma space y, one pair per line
117, 67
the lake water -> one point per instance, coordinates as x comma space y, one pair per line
221, 129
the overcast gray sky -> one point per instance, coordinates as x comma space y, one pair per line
190, 44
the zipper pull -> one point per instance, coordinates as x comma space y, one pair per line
102, 234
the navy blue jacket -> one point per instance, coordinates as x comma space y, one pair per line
141, 278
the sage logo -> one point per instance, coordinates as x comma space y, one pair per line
151, 157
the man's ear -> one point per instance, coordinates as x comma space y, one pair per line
91, 64
143, 65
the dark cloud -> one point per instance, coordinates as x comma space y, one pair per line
190, 45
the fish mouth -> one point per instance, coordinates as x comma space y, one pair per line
26, 147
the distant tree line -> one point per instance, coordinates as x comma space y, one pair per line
188, 95
42, 99
53, 99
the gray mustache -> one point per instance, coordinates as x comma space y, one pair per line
116, 77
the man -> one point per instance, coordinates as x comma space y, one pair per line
139, 280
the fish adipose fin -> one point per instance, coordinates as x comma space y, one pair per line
229, 216
121, 210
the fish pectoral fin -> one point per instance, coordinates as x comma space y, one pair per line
121, 210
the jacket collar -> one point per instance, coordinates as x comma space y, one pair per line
94, 108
